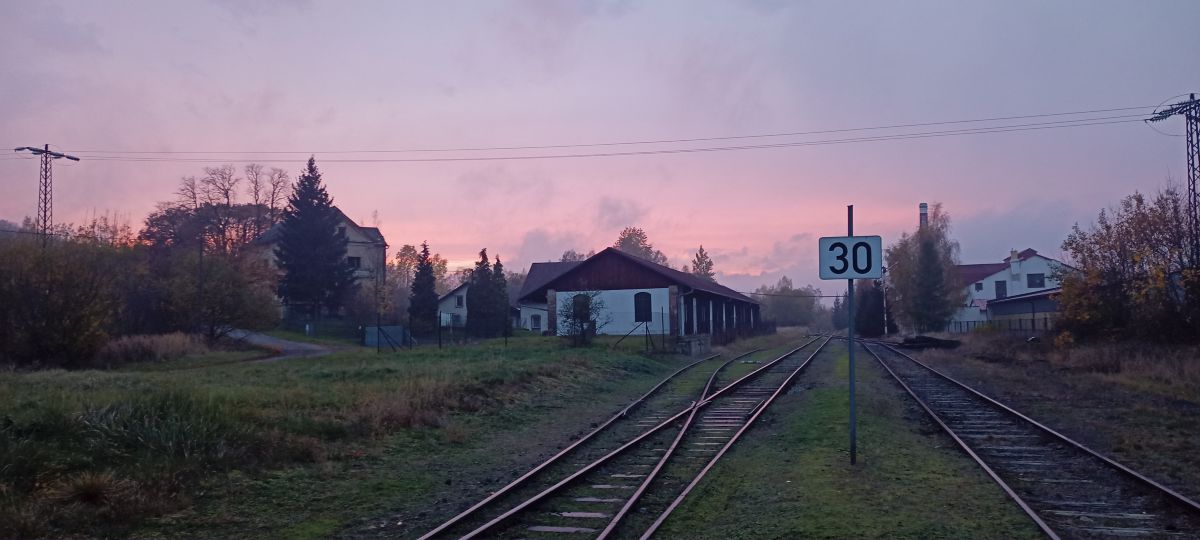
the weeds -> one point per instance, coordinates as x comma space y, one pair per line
149, 348
97, 452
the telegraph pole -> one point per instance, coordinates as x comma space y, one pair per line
1190, 110
44, 220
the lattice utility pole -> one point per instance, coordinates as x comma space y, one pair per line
1190, 110
44, 220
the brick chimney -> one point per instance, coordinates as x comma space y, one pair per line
1014, 262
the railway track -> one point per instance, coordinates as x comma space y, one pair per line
1069, 490
592, 498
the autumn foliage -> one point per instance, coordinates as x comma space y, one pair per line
1135, 275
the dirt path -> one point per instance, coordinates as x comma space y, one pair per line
286, 349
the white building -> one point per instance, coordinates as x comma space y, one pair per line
452, 307
1019, 275
638, 296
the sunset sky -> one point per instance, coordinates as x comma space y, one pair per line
240, 79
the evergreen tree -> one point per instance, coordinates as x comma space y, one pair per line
312, 247
840, 315
481, 298
702, 265
423, 302
868, 309
500, 289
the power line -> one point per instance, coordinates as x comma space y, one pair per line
634, 142
906, 136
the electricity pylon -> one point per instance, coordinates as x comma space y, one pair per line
1190, 110
44, 220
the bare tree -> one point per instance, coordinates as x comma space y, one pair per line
278, 187
583, 317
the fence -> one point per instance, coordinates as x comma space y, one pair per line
1029, 325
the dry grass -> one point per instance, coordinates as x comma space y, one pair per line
1169, 370
149, 348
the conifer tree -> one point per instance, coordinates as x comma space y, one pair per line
312, 247
481, 298
423, 302
500, 289
702, 265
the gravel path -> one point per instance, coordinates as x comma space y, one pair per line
286, 349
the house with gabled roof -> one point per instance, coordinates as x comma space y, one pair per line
366, 249
1022, 287
638, 296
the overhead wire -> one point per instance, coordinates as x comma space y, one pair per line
634, 142
1122, 119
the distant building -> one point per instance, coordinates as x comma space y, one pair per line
452, 307
638, 297
366, 249
1022, 288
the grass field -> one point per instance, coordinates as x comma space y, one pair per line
352, 443
790, 476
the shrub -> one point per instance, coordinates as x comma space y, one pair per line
149, 348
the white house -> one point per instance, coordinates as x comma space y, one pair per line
1024, 275
452, 307
638, 297
533, 315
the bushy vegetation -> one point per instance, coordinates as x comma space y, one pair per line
149, 348
1135, 274
122, 446
922, 284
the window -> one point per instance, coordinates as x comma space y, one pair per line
581, 307
458, 300
1001, 289
535, 323
456, 320
354, 262
979, 286
641, 307
1035, 281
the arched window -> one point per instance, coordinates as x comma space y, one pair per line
641, 307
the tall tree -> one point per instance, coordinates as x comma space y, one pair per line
481, 298
423, 302
702, 265
571, 255
922, 283
868, 308
503, 316
312, 247
840, 315
634, 241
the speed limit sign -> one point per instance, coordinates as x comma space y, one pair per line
851, 257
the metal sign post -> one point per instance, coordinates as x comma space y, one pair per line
851, 257
850, 339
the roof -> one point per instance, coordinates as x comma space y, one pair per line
1029, 252
971, 273
454, 290
681, 278
1027, 296
272, 234
541, 273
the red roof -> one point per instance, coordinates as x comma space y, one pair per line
971, 273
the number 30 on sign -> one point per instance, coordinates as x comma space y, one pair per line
851, 257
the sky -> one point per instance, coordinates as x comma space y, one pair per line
240, 79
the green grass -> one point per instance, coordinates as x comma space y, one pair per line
791, 478
302, 448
